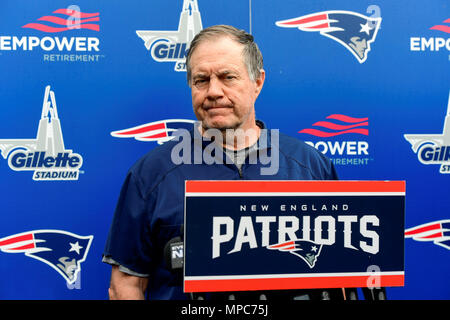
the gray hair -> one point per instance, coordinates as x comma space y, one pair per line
252, 55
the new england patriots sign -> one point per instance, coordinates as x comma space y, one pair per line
268, 235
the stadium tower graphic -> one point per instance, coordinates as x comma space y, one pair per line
433, 148
172, 46
46, 154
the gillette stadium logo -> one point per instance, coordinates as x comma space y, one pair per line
61, 250
356, 32
433, 148
59, 48
173, 46
45, 155
340, 150
436, 44
158, 131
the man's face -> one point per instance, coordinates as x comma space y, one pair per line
223, 95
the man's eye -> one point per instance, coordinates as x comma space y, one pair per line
199, 81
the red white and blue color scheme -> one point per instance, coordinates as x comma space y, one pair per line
61, 250
340, 124
269, 235
353, 30
444, 27
437, 232
117, 89
66, 19
159, 131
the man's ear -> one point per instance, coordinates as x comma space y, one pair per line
260, 82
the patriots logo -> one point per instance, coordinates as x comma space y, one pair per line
353, 30
436, 231
307, 250
61, 250
159, 131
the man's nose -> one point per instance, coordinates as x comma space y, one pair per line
214, 89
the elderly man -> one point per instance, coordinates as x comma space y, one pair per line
225, 74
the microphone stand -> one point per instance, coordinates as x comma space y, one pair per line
374, 294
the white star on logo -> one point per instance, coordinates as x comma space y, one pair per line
75, 247
365, 28
313, 248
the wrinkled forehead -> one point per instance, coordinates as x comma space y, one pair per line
213, 41
213, 37
217, 51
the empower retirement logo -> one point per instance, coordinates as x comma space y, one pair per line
342, 138
63, 35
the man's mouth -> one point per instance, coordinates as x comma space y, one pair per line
217, 107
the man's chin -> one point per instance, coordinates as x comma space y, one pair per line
220, 125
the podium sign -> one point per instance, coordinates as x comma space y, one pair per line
269, 235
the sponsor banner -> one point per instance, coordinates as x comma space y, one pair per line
434, 41
63, 35
269, 235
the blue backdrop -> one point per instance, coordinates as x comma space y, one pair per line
103, 77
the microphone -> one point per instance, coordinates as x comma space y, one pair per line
174, 259
174, 254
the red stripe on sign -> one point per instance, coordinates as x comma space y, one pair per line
345, 118
334, 126
66, 22
320, 26
294, 186
306, 20
74, 13
27, 246
44, 28
323, 134
416, 230
441, 28
290, 283
151, 127
276, 246
24, 237
155, 136
432, 236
